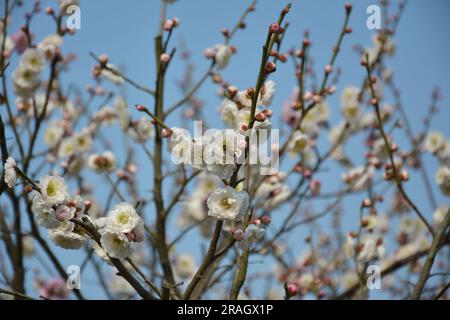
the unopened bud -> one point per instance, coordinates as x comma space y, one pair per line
164, 58
274, 28
348, 7
270, 67
260, 117
103, 59
404, 176
232, 91
168, 25
291, 289
265, 219
367, 203
166, 132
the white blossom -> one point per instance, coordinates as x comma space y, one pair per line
227, 203
10, 172
105, 162
443, 179
299, 142
185, 265
25, 78
439, 215
123, 217
142, 130
111, 76
229, 112
50, 44
115, 243
223, 54
434, 141
66, 236
266, 93
53, 135
53, 190
252, 233
33, 60
45, 214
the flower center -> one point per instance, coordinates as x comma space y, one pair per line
117, 242
122, 218
226, 203
51, 189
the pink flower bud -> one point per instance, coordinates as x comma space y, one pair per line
168, 24
404, 176
267, 112
315, 187
103, 59
291, 289
176, 21
260, 117
270, 67
367, 203
328, 68
49, 10
165, 132
317, 98
307, 96
140, 107
232, 91
274, 28
164, 58
348, 7
266, 219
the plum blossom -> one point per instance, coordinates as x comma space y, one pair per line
10, 172
227, 203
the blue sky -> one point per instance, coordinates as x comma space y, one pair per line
125, 30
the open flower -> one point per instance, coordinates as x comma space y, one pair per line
45, 214
443, 179
298, 143
266, 93
123, 217
66, 236
10, 172
25, 79
53, 190
142, 130
434, 141
115, 243
33, 60
227, 203
105, 162
223, 54
185, 265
